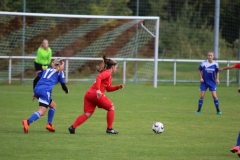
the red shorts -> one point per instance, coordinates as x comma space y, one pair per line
91, 101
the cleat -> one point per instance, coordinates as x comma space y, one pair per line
238, 153
71, 130
111, 131
198, 112
219, 113
50, 127
25, 126
235, 149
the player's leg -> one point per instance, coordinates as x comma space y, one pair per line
215, 99
42, 97
203, 89
51, 113
89, 108
35, 116
236, 147
106, 104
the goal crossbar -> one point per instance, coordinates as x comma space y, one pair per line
77, 16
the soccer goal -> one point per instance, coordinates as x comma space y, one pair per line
129, 39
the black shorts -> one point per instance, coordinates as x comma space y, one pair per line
38, 67
45, 105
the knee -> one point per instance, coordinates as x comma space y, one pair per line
214, 96
112, 108
41, 113
42, 110
53, 105
88, 114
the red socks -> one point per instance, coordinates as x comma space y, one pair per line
81, 119
110, 118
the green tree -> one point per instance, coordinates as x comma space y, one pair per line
11, 5
110, 7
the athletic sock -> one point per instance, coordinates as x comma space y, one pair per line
51, 113
110, 118
35, 116
238, 140
216, 104
80, 120
200, 102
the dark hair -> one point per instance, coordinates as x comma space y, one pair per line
107, 63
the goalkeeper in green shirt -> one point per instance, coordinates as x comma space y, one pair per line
44, 56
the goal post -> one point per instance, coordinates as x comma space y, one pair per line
81, 36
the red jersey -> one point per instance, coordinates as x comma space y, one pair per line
237, 65
104, 82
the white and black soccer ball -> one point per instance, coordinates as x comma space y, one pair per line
158, 127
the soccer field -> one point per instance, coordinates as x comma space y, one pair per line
187, 136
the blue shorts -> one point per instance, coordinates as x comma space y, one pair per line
43, 96
204, 87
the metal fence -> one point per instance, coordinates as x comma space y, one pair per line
229, 77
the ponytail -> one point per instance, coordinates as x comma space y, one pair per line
107, 63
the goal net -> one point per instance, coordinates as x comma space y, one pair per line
21, 34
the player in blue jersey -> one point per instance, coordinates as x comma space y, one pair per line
208, 72
43, 85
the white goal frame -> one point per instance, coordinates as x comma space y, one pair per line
155, 35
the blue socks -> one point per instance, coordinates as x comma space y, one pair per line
238, 140
200, 102
34, 117
216, 104
51, 113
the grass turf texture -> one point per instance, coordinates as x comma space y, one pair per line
186, 136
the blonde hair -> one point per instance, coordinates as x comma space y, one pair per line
41, 46
107, 63
55, 64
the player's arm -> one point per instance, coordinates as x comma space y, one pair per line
229, 67
64, 87
217, 77
98, 81
50, 57
63, 82
36, 79
114, 88
200, 75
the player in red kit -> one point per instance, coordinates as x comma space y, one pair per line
95, 96
237, 65
235, 148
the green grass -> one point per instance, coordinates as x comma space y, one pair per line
187, 136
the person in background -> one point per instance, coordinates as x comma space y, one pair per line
43, 85
44, 56
95, 96
208, 72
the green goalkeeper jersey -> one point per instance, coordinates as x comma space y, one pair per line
44, 56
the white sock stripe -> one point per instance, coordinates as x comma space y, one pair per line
52, 109
38, 114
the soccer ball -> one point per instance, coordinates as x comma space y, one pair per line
158, 127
